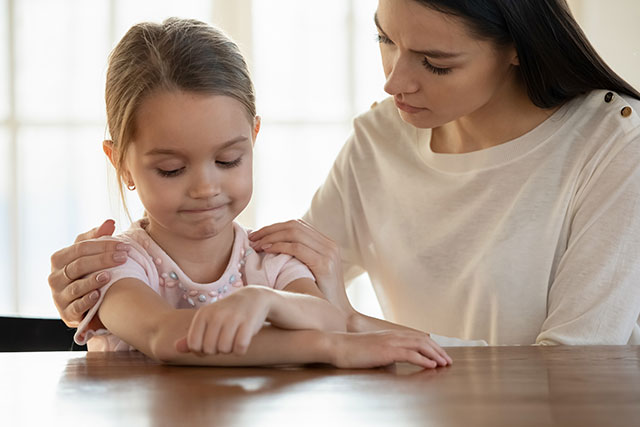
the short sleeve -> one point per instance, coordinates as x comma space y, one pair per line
595, 295
136, 267
284, 269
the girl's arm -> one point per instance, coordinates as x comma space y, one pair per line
140, 317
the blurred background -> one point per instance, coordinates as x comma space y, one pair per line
315, 66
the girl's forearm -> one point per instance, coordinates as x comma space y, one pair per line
270, 346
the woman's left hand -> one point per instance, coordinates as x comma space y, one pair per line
321, 254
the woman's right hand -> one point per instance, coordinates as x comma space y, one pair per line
381, 348
74, 278
321, 254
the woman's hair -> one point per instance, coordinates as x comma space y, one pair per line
557, 62
179, 54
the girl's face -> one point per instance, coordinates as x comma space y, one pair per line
191, 161
436, 70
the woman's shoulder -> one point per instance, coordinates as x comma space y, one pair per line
608, 109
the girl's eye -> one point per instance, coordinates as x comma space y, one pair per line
435, 70
383, 39
170, 173
231, 164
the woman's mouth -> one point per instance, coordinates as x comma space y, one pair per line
408, 108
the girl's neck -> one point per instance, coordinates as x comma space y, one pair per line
204, 260
509, 115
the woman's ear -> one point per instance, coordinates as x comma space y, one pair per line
256, 128
110, 151
513, 53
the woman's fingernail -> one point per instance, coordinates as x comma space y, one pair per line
267, 246
103, 277
122, 247
119, 256
94, 296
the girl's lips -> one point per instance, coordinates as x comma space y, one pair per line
409, 108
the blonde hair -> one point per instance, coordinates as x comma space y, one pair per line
179, 54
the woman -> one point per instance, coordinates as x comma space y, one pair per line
495, 197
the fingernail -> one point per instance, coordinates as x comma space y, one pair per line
267, 246
103, 277
94, 296
119, 256
122, 247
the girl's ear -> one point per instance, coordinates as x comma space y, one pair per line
112, 154
256, 128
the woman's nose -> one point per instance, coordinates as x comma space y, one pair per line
400, 76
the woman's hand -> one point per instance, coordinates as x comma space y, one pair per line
228, 325
74, 277
321, 254
381, 348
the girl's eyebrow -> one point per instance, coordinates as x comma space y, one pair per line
166, 151
436, 54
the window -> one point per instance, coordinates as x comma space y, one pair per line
315, 66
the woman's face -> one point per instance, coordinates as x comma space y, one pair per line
436, 69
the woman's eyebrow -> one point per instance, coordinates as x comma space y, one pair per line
431, 53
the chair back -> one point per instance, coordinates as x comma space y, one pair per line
34, 334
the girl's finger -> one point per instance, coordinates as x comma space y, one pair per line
210, 338
227, 336
196, 332
242, 339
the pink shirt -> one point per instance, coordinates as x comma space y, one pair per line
149, 263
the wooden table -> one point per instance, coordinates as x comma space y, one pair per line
486, 386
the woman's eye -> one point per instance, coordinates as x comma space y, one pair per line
383, 39
435, 70
170, 173
231, 164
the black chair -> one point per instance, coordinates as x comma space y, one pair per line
32, 334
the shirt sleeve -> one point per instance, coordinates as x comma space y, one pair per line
335, 209
284, 269
594, 297
134, 267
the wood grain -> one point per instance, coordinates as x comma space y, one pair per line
486, 386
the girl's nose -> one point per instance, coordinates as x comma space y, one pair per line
205, 184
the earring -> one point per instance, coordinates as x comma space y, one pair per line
131, 187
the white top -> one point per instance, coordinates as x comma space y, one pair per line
536, 240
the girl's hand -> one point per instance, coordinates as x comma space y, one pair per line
74, 277
228, 325
381, 348
321, 254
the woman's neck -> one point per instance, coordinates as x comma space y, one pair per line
509, 115
203, 260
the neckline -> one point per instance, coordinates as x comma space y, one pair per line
497, 155
238, 252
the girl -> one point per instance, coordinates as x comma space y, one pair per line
181, 114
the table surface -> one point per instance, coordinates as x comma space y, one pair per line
486, 386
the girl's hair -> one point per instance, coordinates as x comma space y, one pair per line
179, 54
557, 62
